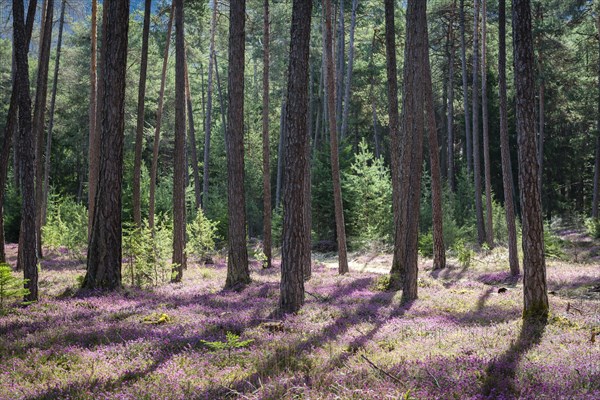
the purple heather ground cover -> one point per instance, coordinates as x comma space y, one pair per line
460, 340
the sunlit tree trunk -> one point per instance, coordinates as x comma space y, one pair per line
465, 84
335, 163
507, 179
489, 229
295, 251
159, 112
105, 245
139, 130
237, 259
596, 195
39, 116
339, 76
180, 166
450, 106
534, 265
94, 136
541, 98
266, 157
192, 138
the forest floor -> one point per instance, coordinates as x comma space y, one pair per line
463, 338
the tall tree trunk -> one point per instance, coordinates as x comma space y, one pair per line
266, 157
221, 100
507, 179
489, 229
411, 166
237, 260
341, 47
179, 167
465, 79
280, 150
159, 111
596, 195
139, 130
10, 129
295, 251
349, 72
94, 135
39, 113
51, 118
372, 98
396, 271
104, 254
450, 110
439, 249
476, 146
335, 162
27, 238
542, 100
192, 138
534, 265
209, 96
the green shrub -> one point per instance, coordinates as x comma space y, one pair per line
10, 286
592, 226
426, 245
232, 342
66, 225
553, 245
277, 227
201, 235
463, 253
12, 213
147, 255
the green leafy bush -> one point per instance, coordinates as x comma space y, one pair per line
232, 342
463, 253
148, 256
66, 225
202, 233
553, 245
426, 245
10, 286
592, 226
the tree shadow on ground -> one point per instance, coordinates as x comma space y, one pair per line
500, 380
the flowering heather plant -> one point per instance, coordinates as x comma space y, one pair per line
460, 340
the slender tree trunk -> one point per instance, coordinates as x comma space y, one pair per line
450, 110
476, 146
221, 100
335, 163
179, 167
237, 260
396, 271
94, 136
139, 130
507, 179
295, 251
349, 72
439, 249
411, 166
596, 195
39, 113
51, 120
318, 117
104, 254
489, 229
541, 100
341, 47
209, 96
534, 265
159, 111
373, 101
192, 139
280, 155
27, 237
266, 157
465, 79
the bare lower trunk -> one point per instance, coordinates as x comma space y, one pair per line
465, 79
266, 157
159, 111
476, 146
280, 146
489, 230
335, 163
534, 265
139, 130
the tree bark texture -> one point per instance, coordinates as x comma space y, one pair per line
475, 112
237, 260
489, 229
105, 247
534, 266
209, 96
541, 97
94, 136
159, 112
596, 194
139, 130
349, 71
39, 117
333, 138
192, 138
27, 239
180, 166
295, 251
392, 84
339, 76
279, 182
450, 105
465, 80
266, 156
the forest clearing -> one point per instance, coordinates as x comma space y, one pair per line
299, 199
